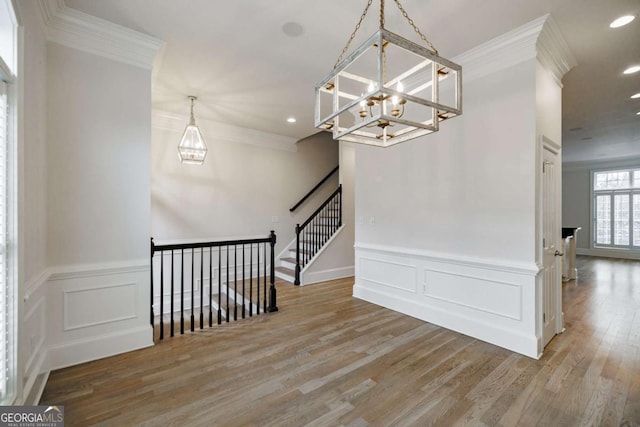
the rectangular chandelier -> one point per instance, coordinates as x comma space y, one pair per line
388, 90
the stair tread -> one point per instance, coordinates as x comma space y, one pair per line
286, 271
288, 259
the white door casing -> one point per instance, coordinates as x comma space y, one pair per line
552, 249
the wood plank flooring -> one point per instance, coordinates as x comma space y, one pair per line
327, 359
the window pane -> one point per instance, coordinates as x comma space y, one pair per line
603, 220
612, 180
636, 179
621, 219
636, 220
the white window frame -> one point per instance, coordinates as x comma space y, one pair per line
627, 191
10, 308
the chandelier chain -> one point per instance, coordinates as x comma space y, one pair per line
415, 28
353, 34
381, 14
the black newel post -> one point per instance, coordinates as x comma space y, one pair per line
340, 207
272, 285
297, 278
153, 248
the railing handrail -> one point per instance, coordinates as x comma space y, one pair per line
322, 206
197, 245
314, 189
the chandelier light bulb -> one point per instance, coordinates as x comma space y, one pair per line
372, 87
400, 87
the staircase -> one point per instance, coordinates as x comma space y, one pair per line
311, 237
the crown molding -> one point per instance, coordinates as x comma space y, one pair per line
502, 52
553, 51
539, 38
223, 132
78, 30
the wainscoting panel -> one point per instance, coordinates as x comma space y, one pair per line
97, 311
486, 299
84, 308
490, 296
389, 274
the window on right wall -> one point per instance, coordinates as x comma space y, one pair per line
616, 209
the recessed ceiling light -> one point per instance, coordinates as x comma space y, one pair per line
623, 20
637, 95
633, 69
291, 120
638, 113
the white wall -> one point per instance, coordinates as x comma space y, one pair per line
98, 159
576, 202
240, 189
446, 225
466, 190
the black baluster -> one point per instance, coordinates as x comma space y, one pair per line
264, 280
219, 285
244, 267
227, 316
152, 284
251, 280
182, 292
235, 282
210, 286
161, 295
201, 287
172, 323
193, 297
258, 277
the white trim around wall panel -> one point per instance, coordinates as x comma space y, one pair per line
481, 295
495, 303
85, 307
391, 274
516, 267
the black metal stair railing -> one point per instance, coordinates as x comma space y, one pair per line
228, 274
317, 230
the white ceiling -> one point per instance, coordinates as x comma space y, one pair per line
246, 71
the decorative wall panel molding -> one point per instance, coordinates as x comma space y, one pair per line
92, 306
494, 302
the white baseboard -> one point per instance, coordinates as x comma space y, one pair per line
324, 275
37, 380
609, 253
99, 347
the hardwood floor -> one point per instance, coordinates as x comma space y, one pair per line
328, 359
